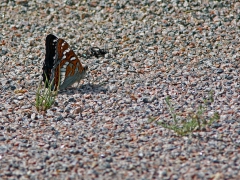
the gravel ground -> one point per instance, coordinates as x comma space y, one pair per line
101, 129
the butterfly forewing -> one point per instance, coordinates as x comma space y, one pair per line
67, 66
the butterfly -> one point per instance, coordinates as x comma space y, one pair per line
61, 66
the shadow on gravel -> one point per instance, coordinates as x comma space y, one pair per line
85, 89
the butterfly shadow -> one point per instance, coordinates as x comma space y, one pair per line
85, 89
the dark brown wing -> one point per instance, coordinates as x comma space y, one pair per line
50, 56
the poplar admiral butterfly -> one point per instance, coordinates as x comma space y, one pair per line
61, 65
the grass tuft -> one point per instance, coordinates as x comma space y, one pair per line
45, 97
195, 121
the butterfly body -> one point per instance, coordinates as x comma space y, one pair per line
61, 65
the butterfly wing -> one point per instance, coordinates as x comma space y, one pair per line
67, 67
50, 57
